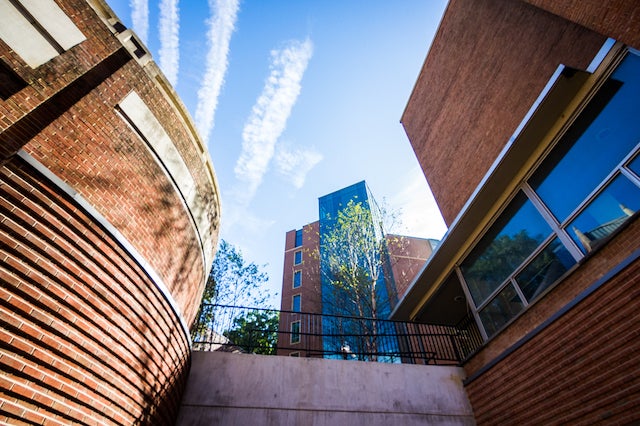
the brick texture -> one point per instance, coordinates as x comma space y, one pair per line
454, 139
85, 332
310, 290
618, 19
87, 335
582, 368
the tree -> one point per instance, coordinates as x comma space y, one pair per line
255, 332
356, 273
232, 281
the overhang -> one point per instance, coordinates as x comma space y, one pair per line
433, 296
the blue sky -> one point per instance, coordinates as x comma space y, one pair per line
296, 99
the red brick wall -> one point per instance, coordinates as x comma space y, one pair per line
86, 335
488, 63
407, 255
310, 290
581, 369
618, 19
66, 119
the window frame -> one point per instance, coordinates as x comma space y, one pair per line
294, 333
559, 229
293, 298
297, 274
297, 257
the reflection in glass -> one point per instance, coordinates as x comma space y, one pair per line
597, 142
610, 209
295, 332
518, 232
544, 269
500, 310
296, 303
635, 165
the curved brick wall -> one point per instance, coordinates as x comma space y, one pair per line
109, 212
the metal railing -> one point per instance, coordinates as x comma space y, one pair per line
289, 333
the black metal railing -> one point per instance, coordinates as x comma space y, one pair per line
268, 331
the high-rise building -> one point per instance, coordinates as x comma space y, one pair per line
525, 121
307, 287
109, 215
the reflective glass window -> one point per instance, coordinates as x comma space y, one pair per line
297, 258
513, 238
298, 237
634, 165
549, 265
500, 310
610, 209
297, 279
596, 143
295, 304
295, 332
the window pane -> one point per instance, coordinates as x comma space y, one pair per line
297, 258
296, 303
597, 142
635, 165
610, 209
295, 332
544, 269
297, 279
298, 237
517, 233
501, 309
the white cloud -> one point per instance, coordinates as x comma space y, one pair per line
140, 18
420, 215
168, 28
221, 25
295, 163
271, 111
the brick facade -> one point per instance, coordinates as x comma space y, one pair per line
92, 315
310, 290
454, 139
580, 369
407, 257
570, 356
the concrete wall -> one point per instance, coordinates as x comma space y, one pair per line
238, 389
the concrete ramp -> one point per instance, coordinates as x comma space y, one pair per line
241, 389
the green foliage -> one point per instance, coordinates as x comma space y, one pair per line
354, 251
232, 281
498, 260
255, 332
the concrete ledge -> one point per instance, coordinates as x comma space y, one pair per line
226, 388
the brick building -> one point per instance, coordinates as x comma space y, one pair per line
303, 288
524, 119
109, 220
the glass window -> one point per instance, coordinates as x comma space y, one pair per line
298, 237
297, 257
634, 165
297, 279
549, 265
295, 332
596, 143
295, 304
610, 209
513, 238
500, 310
